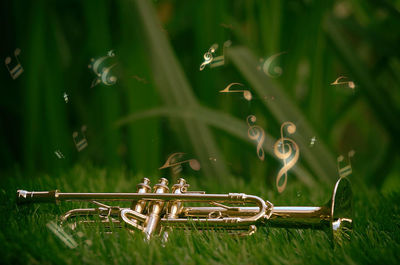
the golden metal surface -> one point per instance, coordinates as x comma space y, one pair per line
159, 212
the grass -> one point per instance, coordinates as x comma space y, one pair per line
179, 109
26, 239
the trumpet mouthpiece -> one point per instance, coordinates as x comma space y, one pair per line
24, 196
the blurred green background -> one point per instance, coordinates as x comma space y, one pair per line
162, 104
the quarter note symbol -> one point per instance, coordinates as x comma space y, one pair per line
80, 142
346, 170
283, 149
17, 70
349, 83
171, 162
246, 93
256, 133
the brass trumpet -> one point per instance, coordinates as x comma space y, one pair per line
160, 211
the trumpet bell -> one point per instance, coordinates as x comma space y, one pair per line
341, 205
335, 217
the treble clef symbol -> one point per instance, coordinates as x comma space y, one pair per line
286, 154
256, 133
208, 56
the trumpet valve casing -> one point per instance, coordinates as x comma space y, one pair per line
155, 209
175, 207
143, 187
140, 205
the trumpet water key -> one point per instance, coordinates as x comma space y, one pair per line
160, 211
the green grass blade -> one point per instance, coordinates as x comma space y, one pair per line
175, 90
218, 120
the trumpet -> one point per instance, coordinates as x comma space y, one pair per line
160, 211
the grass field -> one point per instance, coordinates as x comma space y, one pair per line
26, 239
161, 104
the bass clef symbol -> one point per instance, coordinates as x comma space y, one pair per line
284, 149
257, 134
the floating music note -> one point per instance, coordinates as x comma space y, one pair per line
257, 134
313, 140
82, 142
138, 78
269, 68
228, 26
289, 159
17, 70
208, 56
59, 154
177, 168
349, 83
271, 98
67, 239
103, 73
171, 162
346, 170
217, 61
81, 237
65, 97
246, 93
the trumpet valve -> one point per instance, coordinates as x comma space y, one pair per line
180, 187
155, 209
162, 186
175, 207
143, 187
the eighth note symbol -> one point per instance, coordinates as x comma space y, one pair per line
347, 170
349, 83
256, 133
171, 162
178, 167
82, 143
246, 93
17, 70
